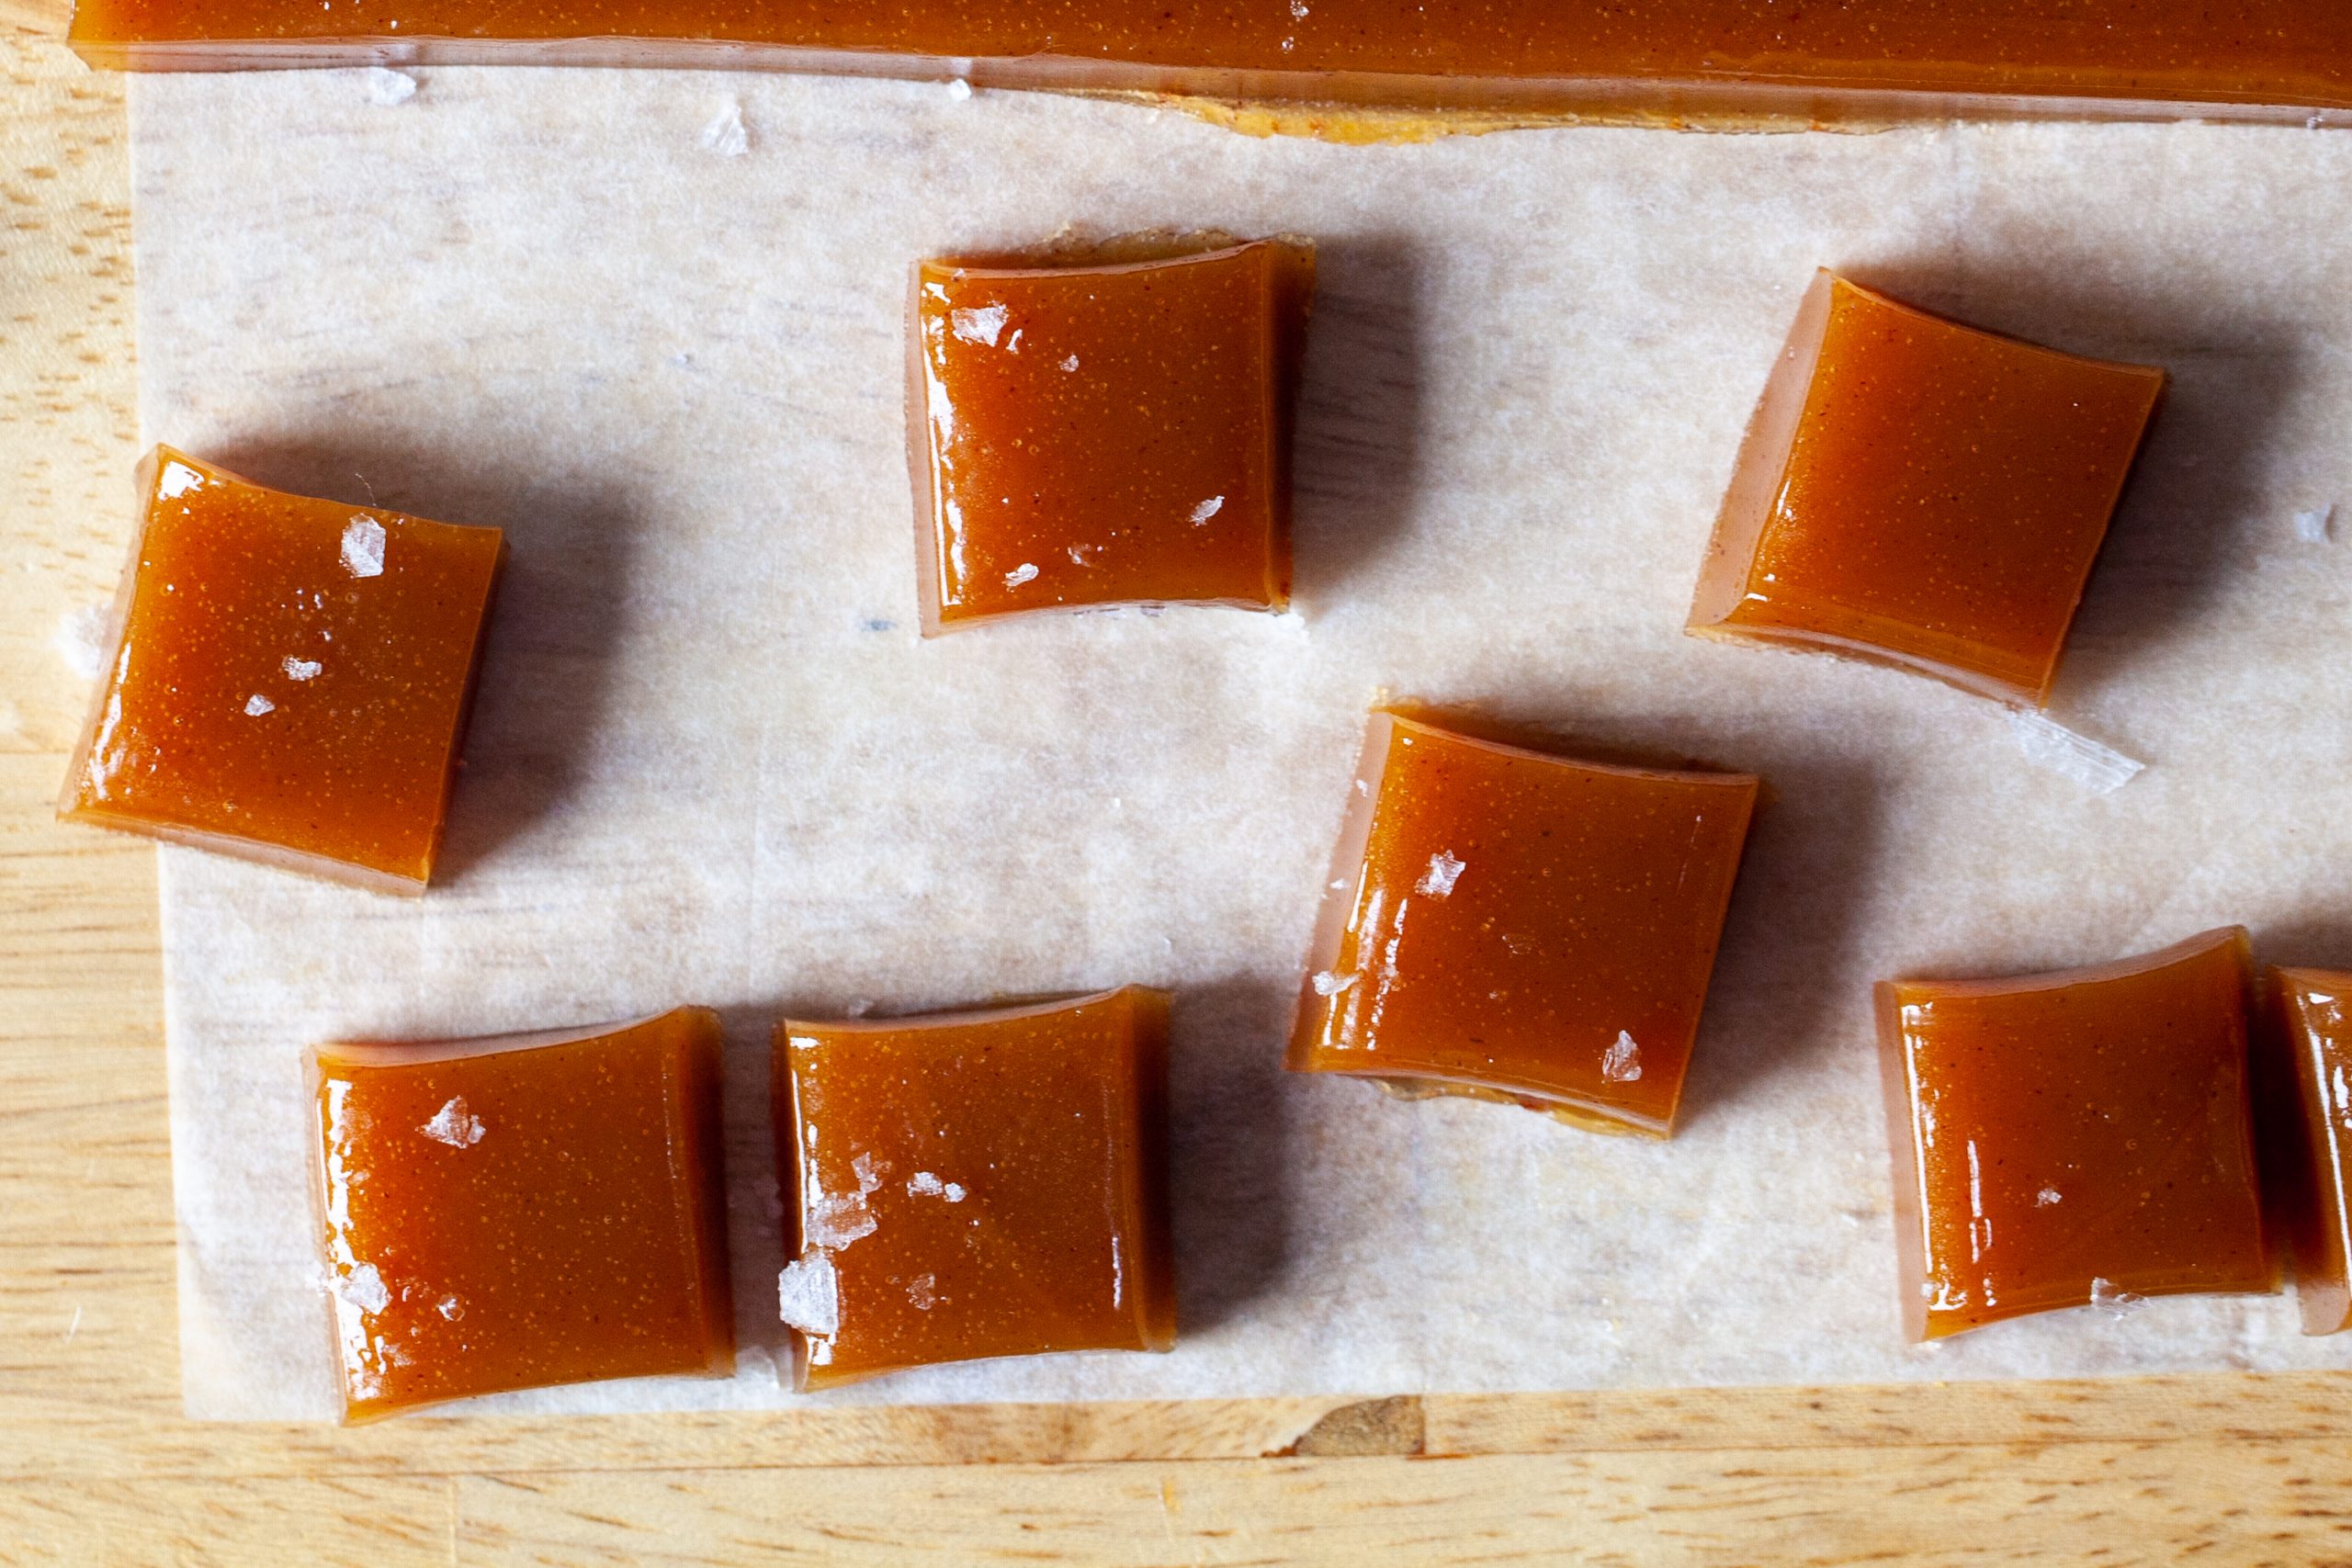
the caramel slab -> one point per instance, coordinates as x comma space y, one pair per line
2073, 1138
976, 1184
1918, 493
1084, 435
1519, 925
289, 678
1673, 61
2307, 1047
524, 1210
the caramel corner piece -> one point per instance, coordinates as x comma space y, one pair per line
976, 1184
289, 678
1512, 925
2305, 1050
1921, 495
1671, 62
524, 1210
1084, 435
2072, 1139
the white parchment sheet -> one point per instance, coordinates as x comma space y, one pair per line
713, 762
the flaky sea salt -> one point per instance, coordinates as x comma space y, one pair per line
364, 1288
455, 1125
982, 324
382, 85
1443, 873
2114, 1300
924, 1184
363, 547
1621, 1063
808, 1296
725, 132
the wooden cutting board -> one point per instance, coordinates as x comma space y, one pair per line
97, 1465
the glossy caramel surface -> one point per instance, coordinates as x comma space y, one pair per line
2256, 51
2307, 1146
290, 679
520, 1212
1519, 925
976, 1184
1922, 495
1104, 434
2073, 1138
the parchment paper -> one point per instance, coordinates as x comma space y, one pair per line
650, 324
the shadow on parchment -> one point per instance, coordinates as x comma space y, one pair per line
547, 674
2312, 942
1357, 451
759, 1187
2190, 521
1782, 978
1230, 1171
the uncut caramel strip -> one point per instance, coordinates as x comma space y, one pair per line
1720, 62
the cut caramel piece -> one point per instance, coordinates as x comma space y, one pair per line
1711, 60
1113, 435
976, 1184
2307, 1052
1922, 495
1516, 925
524, 1210
289, 680
2072, 1139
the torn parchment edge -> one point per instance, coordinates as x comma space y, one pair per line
2098, 768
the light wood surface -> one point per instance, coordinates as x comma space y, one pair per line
97, 1465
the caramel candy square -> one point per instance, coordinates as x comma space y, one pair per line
289, 678
976, 1184
522, 1210
2306, 1050
1115, 433
1921, 495
2077, 1138
1517, 926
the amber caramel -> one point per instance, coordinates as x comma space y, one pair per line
524, 1210
976, 1184
1516, 925
1918, 493
1104, 434
289, 679
1709, 60
2306, 1050
2077, 1138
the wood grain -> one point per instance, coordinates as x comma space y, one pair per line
96, 1464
